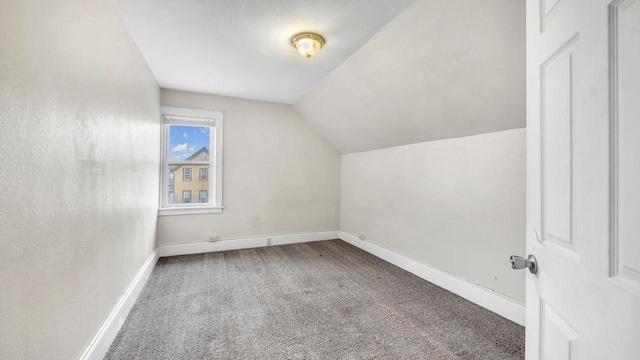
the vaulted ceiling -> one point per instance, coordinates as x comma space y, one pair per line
242, 48
440, 69
391, 73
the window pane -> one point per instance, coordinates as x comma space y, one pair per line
171, 181
189, 142
195, 181
186, 196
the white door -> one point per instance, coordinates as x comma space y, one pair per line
583, 174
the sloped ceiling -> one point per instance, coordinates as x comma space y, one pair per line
242, 48
440, 69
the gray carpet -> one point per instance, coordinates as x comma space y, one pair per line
319, 300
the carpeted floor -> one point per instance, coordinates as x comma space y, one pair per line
319, 300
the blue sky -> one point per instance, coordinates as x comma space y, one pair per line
185, 140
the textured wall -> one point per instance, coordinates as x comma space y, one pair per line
440, 69
455, 204
79, 183
279, 176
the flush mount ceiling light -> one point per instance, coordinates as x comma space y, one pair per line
308, 44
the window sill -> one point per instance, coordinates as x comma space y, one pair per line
190, 211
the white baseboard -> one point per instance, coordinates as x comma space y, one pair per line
499, 304
244, 243
100, 344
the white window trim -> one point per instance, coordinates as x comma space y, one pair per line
183, 197
182, 116
184, 173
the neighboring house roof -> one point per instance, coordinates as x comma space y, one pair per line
194, 155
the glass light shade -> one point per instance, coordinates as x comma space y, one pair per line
308, 44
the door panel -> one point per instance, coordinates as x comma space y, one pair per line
556, 135
583, 179
625, 60
557, 337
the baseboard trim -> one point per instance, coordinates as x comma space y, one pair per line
244, 243
101, 343
499, 304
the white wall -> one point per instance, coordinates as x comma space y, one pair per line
79, 159
456, 204
279, 176
440, 69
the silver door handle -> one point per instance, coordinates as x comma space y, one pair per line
530, 263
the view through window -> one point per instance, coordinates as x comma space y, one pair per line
191, 162
188, 153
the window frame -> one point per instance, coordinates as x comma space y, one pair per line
206, 174
194, 117
183, 197
184, 172
206, 196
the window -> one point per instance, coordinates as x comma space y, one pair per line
192, 140
186, 174
171, 183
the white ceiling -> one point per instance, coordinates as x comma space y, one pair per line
241, 48
440, 69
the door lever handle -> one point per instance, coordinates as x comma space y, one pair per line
530, 263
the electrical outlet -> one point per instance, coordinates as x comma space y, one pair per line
362, 236
213, 238
268, 241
